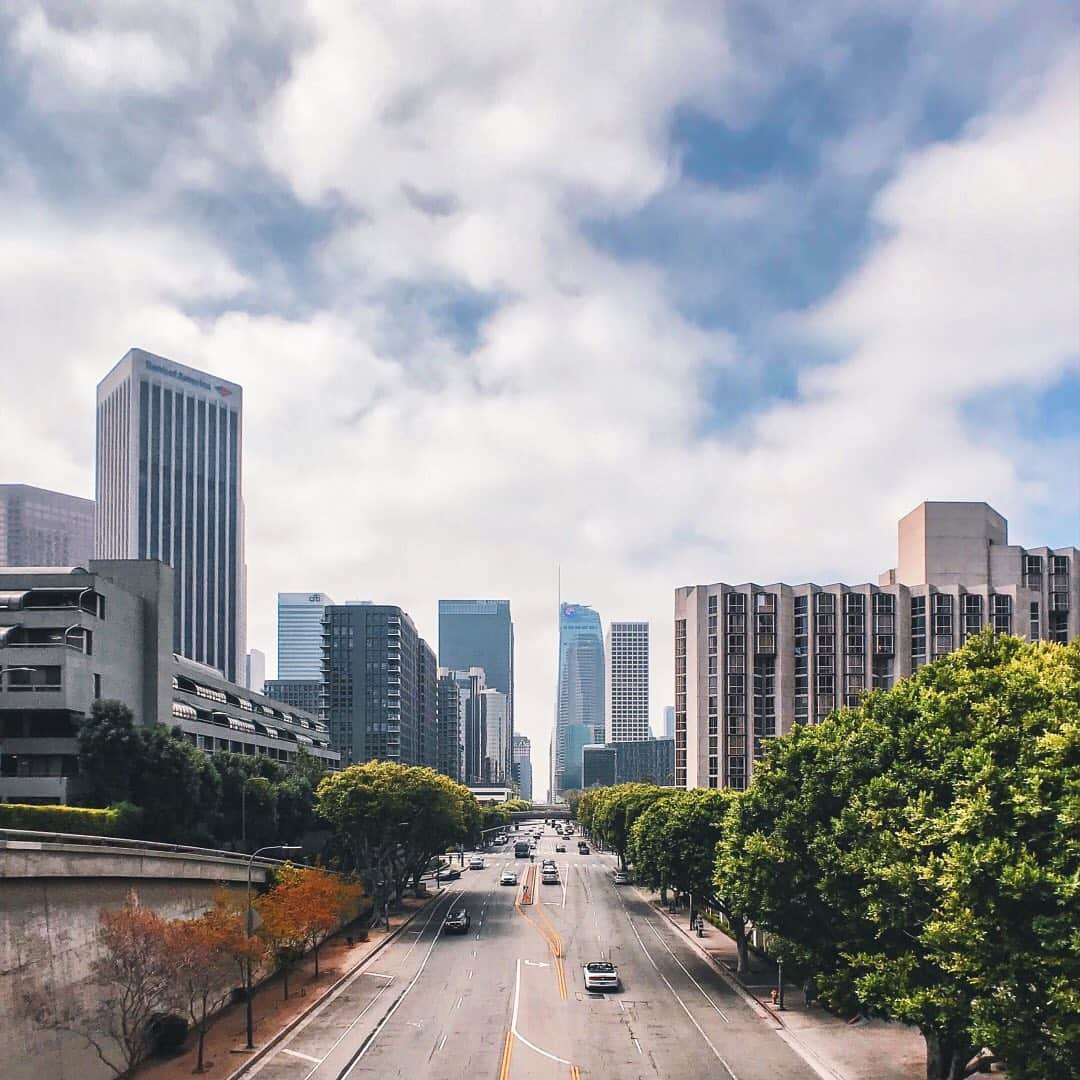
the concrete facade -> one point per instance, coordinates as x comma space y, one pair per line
752, 660
628, 681
107, 633
39, 527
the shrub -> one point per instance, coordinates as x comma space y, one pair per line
168, 1033
65, 819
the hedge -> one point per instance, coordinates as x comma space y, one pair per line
116, 821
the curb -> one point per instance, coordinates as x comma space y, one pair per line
744, 995
295, 1022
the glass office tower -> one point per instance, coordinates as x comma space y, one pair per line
168, 481
299, 634
580, 697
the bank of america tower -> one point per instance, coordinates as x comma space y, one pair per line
169, 487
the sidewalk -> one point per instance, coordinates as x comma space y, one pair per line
226, 1038
837, 1050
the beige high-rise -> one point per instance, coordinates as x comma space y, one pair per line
751, 660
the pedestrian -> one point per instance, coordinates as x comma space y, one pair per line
809, 988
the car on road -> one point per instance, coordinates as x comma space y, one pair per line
583, 848
451, 873
457, 922
560, 847
508, 877
547, 862
621, 878
476, 862
549, 875
521, 849
601, 975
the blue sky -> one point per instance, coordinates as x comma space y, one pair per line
709, 292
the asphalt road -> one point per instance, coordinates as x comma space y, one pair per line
507, 1000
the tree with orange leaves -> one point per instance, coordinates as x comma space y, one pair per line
205, 952
320, 902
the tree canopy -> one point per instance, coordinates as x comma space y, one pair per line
921, 853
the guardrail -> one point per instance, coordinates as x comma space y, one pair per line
78, 839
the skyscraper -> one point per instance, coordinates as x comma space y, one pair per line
168, 482
628, 681
521, 770
255, 670
471, 687
497, 763
452, 704
299, 634
669, 722
580, 696
371, 668
44, 528
480, 633
427, 707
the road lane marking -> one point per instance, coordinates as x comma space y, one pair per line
459, 1001
369, 1042
723, 1016
513, 1023
442, 1042
508, 1051
376, 975
297, 1054
637, 1044
689, 1014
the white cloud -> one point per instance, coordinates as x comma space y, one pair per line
463, 152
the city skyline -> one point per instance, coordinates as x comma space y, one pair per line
662, 316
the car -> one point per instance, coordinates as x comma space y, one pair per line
476, 862
451, 873
583, 849
549, 876
560, 847
547, 862
508, 877
621, 878
457, 922
601, 975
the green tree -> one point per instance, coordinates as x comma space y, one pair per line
616, 810
572, 798
921, 852
110, 753
393, 819
673, 845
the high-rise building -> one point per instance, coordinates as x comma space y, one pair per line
752, 660
255, 670
598, 765
453, 701
427, 707
480, 633
521, 771
44, 528
578, 736
472, 684
644, 761
669, 722
496, 765
580, 694
299, 634
371, 667
168, 481
304, 694
628, 681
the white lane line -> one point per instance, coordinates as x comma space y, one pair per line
565, 876
370, 1042
305, 1057
459, 1001
656, 935
468, 973
376, 975
442, 1042
637, 1044
337, 993
682, 1003
513, 1022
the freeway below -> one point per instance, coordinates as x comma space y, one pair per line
507, 999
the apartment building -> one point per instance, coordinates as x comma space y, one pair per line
628, 681
752, 660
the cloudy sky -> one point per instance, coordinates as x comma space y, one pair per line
665, 292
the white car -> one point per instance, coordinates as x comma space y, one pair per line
508, 877
601, 975
621, 878
476, 862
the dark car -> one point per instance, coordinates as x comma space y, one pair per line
583, 849
451, 873
560, 847
457, 922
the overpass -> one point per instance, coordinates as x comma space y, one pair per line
542, 812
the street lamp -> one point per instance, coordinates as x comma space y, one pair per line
780, 983
251, 929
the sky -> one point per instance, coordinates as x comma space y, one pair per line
663, 294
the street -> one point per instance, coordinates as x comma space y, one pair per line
507, 999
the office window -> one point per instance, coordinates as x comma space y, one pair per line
918, 631
1033, 570
1033, 626
973, 616
1002, 614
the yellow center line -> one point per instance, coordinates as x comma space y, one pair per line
508, 1053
